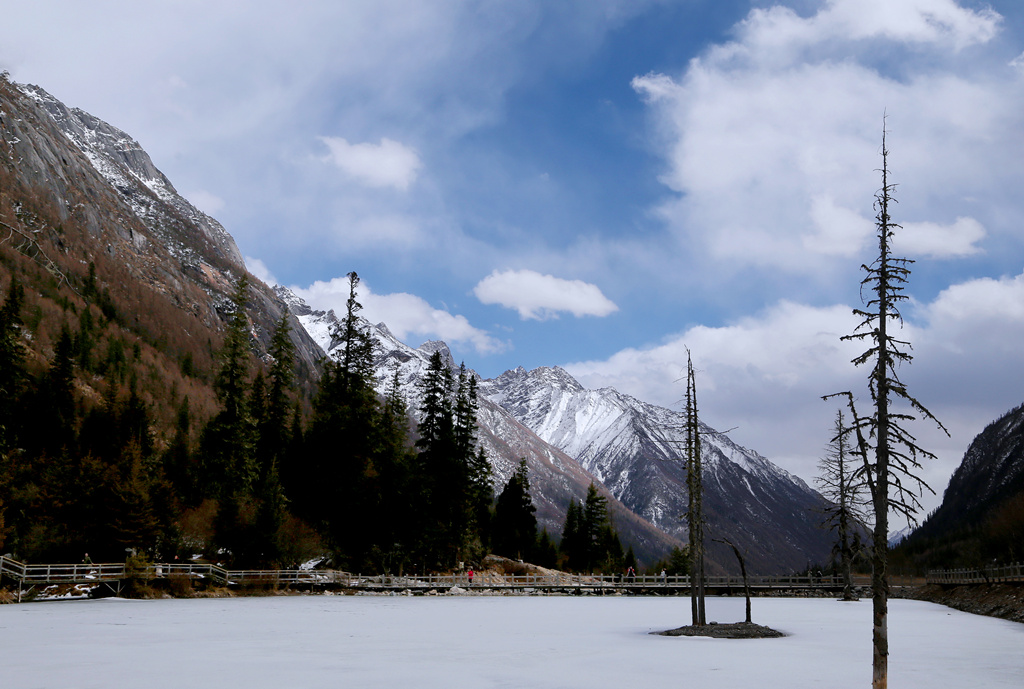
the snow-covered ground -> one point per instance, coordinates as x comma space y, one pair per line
335, 641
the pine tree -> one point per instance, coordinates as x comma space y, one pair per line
341, 476
595, 517
515, 521
274, 431
178, 460
229, 439
896, 455
479, 488
12, 375
572, 544
393, 460
57, 404
444, 476
12, 363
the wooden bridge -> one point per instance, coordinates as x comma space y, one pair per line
30, 579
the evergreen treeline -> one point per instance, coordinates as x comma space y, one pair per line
589, 542
268, 479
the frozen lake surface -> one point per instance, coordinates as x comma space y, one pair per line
413, 642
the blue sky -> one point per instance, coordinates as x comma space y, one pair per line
597, 184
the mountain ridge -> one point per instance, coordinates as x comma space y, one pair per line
603, 433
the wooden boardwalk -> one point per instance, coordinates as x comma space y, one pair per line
32, 578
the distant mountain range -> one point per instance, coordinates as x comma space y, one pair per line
571, 436
91, 194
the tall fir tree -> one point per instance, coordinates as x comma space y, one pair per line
12, 363
442, 477
229, 439
12, 376
515, 520
573, 545
341, 443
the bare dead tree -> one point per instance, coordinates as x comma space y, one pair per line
743, 571
843, 486
695, 488
891, 465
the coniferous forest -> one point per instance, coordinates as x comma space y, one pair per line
258, 473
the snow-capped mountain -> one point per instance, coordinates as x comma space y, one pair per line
186, 231
571, 436
555, 477
635, 448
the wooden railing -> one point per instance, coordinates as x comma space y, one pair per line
44, 575
985, 575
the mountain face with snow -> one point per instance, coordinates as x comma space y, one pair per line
92, 175
555, 477
571, 436
635, 448
87, 192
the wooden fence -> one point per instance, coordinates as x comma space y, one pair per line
113, 574
985, 575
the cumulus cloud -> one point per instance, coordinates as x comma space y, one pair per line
387, 164
405, 314
933, 240
765, 374
211, 204
540, 297
788, 346
941, 22
978, 305
771, 140
260, 270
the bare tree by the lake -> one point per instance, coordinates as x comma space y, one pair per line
891, 466
695, 488
841, 482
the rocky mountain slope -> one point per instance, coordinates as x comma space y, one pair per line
78, 196
555, 477
981, 517
635, 449
571, 436
89, 174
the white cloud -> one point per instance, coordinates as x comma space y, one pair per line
260, 270
933, 240
211, 204
838, 231
771, 141
387, 164
537, 296
780, 29
405, 314
789, 346
978, 305
765, 374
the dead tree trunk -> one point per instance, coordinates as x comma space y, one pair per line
695, 488
743, 571
896, 453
